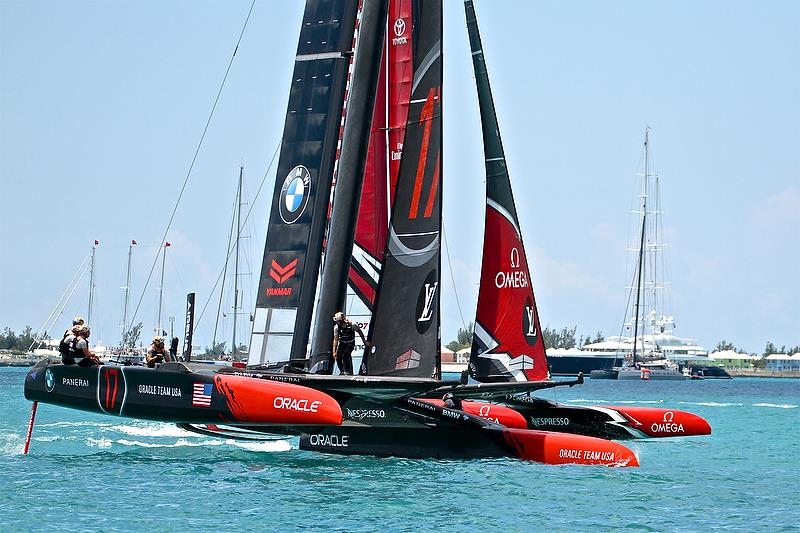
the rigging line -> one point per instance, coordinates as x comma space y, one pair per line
194, 159
225, 270
76, 278
452, 278
246, 218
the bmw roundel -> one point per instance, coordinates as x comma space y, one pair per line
49, 380
295, 192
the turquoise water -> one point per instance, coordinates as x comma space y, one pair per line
87, 472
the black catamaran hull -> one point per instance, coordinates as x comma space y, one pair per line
341, 414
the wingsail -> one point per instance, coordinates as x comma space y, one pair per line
385, 152
406, 337
507, 342
292, 253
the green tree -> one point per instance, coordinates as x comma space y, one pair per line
132, 336
216, 349
770, 349
724, 345
559, 339
463, 339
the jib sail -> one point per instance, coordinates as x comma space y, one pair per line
302, 188
507, 341
405, 324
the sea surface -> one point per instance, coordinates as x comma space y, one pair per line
88, 472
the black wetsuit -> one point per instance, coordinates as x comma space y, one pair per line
344, 348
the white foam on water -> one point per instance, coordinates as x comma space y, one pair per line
13, 445
262, 446
154, 429
776, 405
73, 424
46, 439
99, 443
614, 402
712, 404
180, 443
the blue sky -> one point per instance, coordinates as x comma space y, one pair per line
103, 103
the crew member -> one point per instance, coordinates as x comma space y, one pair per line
451, 402
344, 340
156, 352
77, 321
77, 348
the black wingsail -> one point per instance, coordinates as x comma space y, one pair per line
405, 325
292, 253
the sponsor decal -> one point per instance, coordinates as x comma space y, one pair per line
361, 414
282, 273
514, 278
427, 305
49, 380
529, 323
397, 155
506, 280
588, 455
559, 421
201, 394
294, 195
160, 390
75, 382
331, 441
293, 404
667, 426
399, 32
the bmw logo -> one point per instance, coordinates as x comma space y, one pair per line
295, 192
49, 380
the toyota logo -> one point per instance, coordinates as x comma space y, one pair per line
399, 27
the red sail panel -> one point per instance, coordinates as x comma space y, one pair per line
391, 108
401, 79
508, 336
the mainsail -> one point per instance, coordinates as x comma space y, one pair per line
507, 342
302, 189
405, 326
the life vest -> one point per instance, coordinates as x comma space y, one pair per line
68, 347
347, 335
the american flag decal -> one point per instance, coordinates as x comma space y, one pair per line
201, 395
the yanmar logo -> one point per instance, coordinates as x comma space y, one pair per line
281, 274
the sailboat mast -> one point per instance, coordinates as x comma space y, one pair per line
161, 289
91, 285
637, 308
236, 261
355, 141
127, 295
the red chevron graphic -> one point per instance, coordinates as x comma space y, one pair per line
282, 273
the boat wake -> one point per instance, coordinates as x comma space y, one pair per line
713, 404
776, 405
584, 400
272, 446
